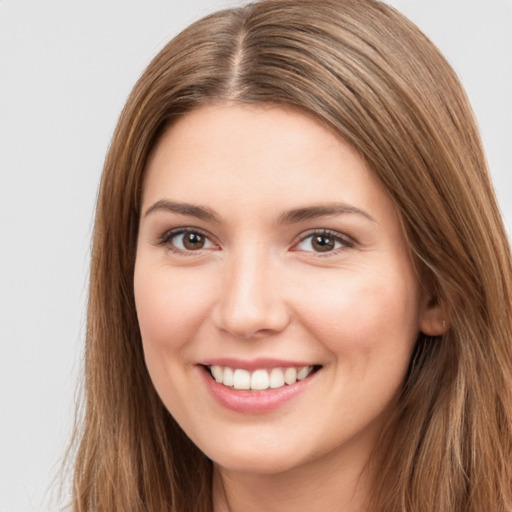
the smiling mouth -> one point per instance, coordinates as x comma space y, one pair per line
260, 379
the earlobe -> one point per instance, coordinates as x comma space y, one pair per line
434, 319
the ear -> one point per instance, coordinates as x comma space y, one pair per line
433, 319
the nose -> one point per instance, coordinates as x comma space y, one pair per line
250, 299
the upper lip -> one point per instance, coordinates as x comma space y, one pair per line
254, 364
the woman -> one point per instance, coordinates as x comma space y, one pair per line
301, 287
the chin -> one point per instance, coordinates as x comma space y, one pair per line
262, 458
257, 465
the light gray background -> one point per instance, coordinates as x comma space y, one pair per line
66, 68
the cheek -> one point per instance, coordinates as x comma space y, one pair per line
170, 310
169, 307
363, 314
369, 325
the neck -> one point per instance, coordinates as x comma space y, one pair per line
324, 485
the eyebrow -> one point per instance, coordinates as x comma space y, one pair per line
324, 210
191, 210
288, 217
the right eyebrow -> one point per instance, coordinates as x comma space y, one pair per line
191, 210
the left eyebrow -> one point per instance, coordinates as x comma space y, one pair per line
324, 210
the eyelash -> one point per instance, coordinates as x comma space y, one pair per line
166, 238
343, 241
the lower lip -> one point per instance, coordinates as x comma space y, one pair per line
254, 402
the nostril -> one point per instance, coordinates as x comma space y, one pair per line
252, 323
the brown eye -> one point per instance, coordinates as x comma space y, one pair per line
193, 241
186, 240
323, 242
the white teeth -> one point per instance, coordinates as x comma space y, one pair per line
217, 373
276, 378
228, 377
290, 376
261, 379
303, 373
241, 379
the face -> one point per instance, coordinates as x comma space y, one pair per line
276, 297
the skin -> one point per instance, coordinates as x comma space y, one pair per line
259, 288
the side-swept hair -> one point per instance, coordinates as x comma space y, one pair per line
368, 73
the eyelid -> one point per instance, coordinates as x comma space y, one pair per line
165, 239
346, 241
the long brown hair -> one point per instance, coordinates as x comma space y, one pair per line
368, 73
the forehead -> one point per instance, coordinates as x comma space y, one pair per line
258, 152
